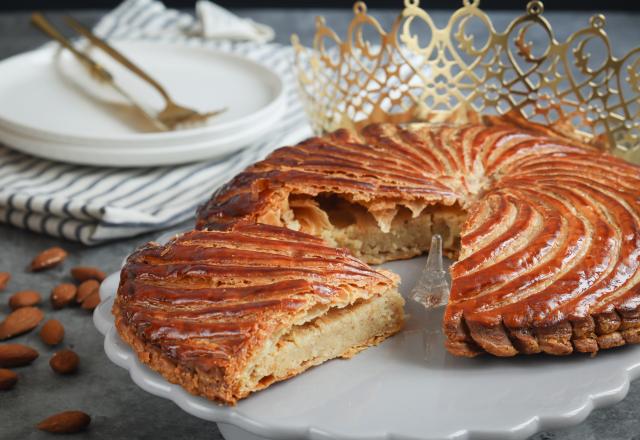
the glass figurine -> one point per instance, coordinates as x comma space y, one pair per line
432, 288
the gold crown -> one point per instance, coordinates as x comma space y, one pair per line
417, 71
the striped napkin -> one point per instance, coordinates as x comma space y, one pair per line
93, 205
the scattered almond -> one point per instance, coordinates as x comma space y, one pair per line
84, 273
86, 289
24, 298
48, 258
16, 355
91, 302
62, 295
20, 321
52, 332
64, 362
4, 279
7, 379
66, 422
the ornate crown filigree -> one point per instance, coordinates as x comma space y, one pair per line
418, 70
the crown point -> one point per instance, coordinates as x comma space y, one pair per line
535, 7
331, 105
597, 21
359, 7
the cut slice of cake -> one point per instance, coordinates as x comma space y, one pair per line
227, 313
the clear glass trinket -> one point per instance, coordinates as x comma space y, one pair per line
432, 288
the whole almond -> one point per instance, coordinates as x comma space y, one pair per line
20, 321
64, 362
24, 298
48, 258
84, 273
7, 379
16, 355
62, 295
91, 302
66, 422
52, 332
4, 279
86, 289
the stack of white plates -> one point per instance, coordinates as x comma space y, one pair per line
50, 106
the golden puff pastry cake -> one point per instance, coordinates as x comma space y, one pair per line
227, 313
546, 230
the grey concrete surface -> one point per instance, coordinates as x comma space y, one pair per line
120, 410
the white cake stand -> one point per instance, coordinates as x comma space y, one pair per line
408, 388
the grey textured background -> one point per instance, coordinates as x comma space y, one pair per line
121, 410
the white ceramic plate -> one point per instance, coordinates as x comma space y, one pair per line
137, 156
50, 107
409, 387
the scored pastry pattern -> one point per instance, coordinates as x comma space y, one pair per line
550, 249
202, 308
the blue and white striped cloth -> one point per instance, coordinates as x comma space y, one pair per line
91, 204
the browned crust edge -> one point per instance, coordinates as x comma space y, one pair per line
212, 385
583, 335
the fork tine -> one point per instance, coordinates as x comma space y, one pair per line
175, 115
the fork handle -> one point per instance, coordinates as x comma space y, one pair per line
45, 26
115, 54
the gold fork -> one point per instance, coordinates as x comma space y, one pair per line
96, 70
173, 115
